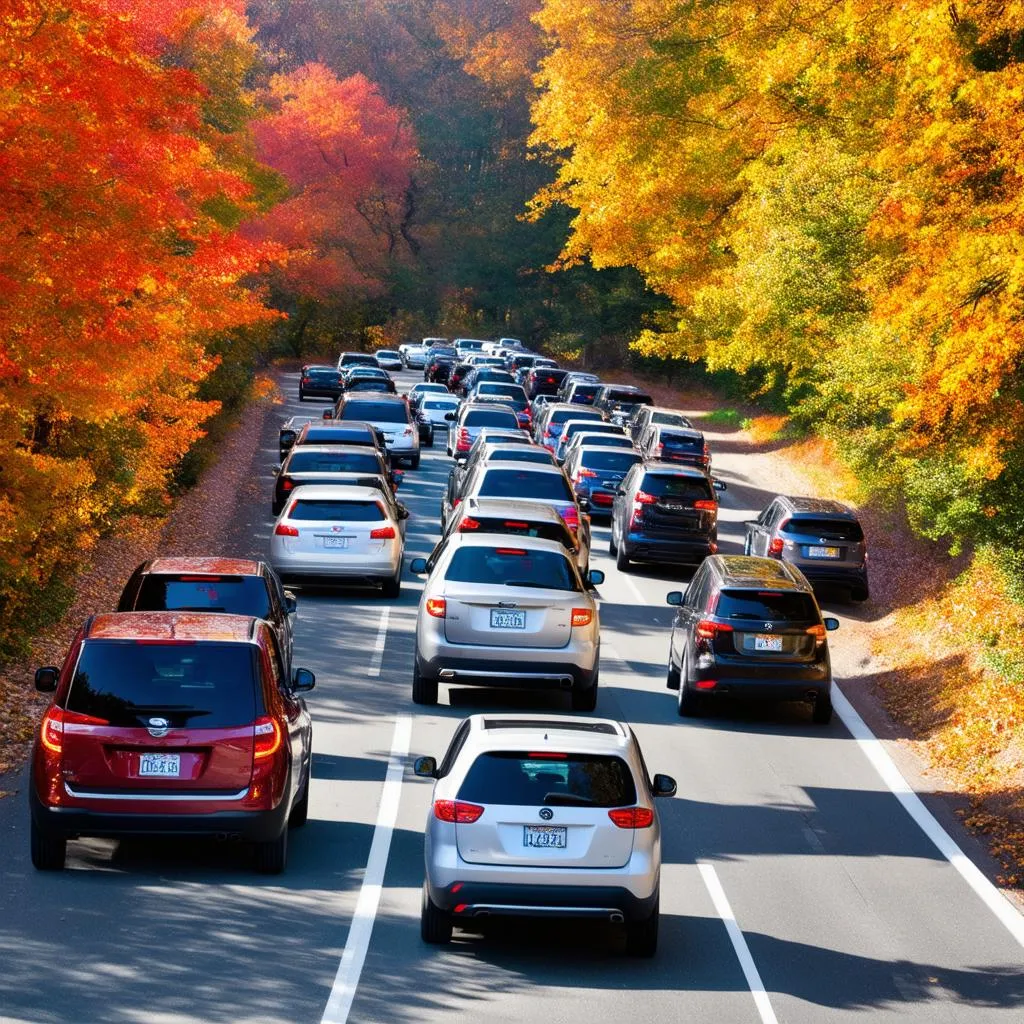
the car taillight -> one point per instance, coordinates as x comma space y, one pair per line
383, 533
307, 380
570, 516
775, 546
706, 506
643, 498
818, 632
266, 733
659, 448
286, 484
458, 811
708, 630
706, 684
582, 616
583, 474
51, 729
463, 443
632, 817
284, 530
468, 523
436, 606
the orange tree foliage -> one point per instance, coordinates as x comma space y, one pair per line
831, 194
123, 170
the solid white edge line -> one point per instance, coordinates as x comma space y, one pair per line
739, 943
346, 981
880, 760
378, 647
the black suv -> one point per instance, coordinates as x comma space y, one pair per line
319, 382
749, 627
617, 401
664, 513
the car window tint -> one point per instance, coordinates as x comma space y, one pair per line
564, 415
199, 685
522, 483
439, 403
323, 374
377, 412
681, 442
332, 511
500, 566
524, 779
684, 487
766, 605
525, 454
322, 462
237, 595
627, 397
588, 439
490, 418
831, 529
620, 461
590, 427
526, 528
670, 419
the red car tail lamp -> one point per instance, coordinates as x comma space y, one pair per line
582, 616
436, 606
632, 817
266, 737
458, 812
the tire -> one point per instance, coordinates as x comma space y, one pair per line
822, 713
688, 705
302, 397
392, 588
612, 546
424, 691
49, 851
272, 855
585, 700
642, 936
622, 560
672, 676
435, 924
300, 810
429, 441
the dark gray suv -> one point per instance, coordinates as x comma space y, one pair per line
822, 537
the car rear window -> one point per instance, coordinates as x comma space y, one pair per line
375, 412
358, 359
684, 487
510, 390
610, 460
683, 443
237, 595
671, 419
329, 436
438, 403
200, 685
527, 453
522, 483
508, 565
591, 427
831, 529
372, 384
628, 397
524, 528
323, 462
324, 374
490, 418
444, 352
589, 440
564, 415
522, 778
770, 605
330, 510
586, 389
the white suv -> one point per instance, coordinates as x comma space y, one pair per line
536, 816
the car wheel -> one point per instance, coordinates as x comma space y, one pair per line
48, 850
429, 441
272, 856
622, 560
302, 397
822, 713
300, 811
424, 691
642, 936
585, 700
435, 924
689, 701
672, 678
393, 587
612, 546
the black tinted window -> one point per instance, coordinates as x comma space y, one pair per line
620, 461
238, 595
682, 443
509, 565
526, 779
525, 528
831, 529
323, 462
376, 412
358, 359
605, 440
672, 419
591, 428
328, 511
439, 403
766, 605
521, 483
490, 418
200, 685
324, 375
510, 390
560, 416
684, 487
527, 453
627, 397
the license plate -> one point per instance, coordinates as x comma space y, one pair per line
548, 837
816, 552
160, 765
501, 619
336, 542
767, 643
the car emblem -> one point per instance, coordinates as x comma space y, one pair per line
336, 529
768, 627
158, 727
546, 813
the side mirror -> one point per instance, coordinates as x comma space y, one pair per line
46, 679
595, 577
584, 504
719, 485
418, 566
291, 606
674, 597
303, 680
425, 768
403, 512
831, 624
663, 785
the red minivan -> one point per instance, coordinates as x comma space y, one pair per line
171, 723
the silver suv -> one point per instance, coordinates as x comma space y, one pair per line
543, 816
822, 537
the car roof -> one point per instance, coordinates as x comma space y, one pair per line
339, 492
674, 469
625, 387
294, 422
820, 506
320, 366
752, 571
488, 406
498, 731
507, 446
215, 565
170, 626
675, 430
353, 426
373, 398
529, 510
663, 408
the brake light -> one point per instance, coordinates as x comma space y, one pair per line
583, 474
775, 546
547, 755
818, 632
436, 606
708, 630
266, 737
510, 551
706, 506
469, 524
643, 498
457, 811
571, 517
286, 484
383, 533
582, 616
659, 448
199, 579
307, 380
284, 530
706, 684
51, 729
632, 817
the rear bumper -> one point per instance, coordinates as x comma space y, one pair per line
500, 672
332, 393
795, 684
352, 567
834, 574
682, 550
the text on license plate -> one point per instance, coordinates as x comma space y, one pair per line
160, 765
336, 542
816, 552
551, 837
767, 643
501, 619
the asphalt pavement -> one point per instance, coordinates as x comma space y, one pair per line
796, 887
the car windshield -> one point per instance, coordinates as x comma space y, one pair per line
376, 412
199, 685
490, 418
329, 510
525, 779
324, 462
619, 462
684, 488
766, 605
524, 483
512, 567
826, 529
237, 595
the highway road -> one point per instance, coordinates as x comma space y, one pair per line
796, 886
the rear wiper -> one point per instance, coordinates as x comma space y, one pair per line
566, 798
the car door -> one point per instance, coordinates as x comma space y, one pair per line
280, 618
623, 504
295, 711
689, 613
760, 530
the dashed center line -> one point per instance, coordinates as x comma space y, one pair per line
378, 648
